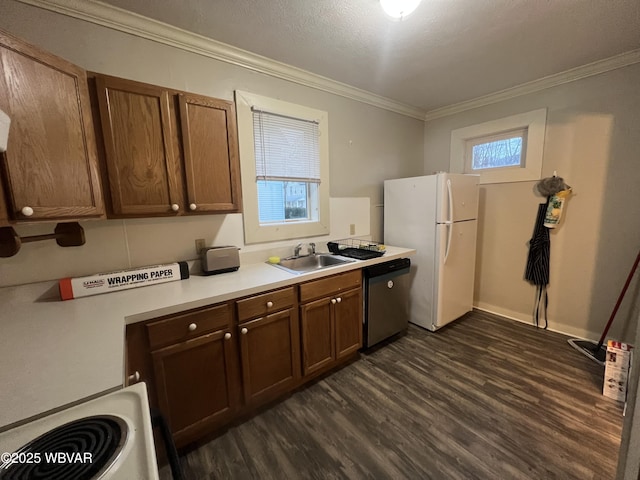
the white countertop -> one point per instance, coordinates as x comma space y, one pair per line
54, 353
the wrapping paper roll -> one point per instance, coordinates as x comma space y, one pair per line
115, 281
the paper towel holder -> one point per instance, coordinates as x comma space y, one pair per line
65, 235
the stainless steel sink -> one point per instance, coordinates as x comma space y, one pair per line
309, 263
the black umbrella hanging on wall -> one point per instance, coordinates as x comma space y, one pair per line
537, 269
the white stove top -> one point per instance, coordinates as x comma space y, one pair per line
136, 460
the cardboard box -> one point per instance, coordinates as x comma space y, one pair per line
616, 370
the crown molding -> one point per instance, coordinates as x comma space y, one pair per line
571, 75
124, 21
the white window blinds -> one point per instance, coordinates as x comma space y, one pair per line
286, 148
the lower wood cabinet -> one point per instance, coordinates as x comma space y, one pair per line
190, 364
207, 367
348, 323
331, 326
318, 335
196, 384
270, 354
269, 340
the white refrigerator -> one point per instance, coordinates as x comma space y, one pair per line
437, 216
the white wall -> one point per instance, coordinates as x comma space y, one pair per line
593, 141
367, 145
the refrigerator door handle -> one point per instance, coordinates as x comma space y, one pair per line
450, 194
449, 233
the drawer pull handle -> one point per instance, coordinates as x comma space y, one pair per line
339, 299
227, 336
269, 304
192, 206
333, 300
244, 331
27, 211
135, 377
192, 327
175, 207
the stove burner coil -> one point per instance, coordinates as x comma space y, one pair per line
102, 437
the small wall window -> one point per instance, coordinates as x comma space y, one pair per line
505, 150
496, 151
284, 163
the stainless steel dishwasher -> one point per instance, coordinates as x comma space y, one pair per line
386, 300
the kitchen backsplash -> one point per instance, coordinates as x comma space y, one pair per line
119, 244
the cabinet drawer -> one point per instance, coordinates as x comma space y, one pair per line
330, 285
183, 327
260, 305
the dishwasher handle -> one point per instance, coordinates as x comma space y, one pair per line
392, 266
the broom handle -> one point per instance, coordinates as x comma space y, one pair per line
615, 309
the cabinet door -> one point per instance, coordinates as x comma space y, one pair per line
197, 384
50, 166
348, 322
140, 148
210, 145
270, 356
4, 219
318, 335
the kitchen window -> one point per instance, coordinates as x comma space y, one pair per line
505, 150
284, 166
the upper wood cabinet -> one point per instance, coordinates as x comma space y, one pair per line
4, 219
210, 147
167, 152
50, 169
140, 144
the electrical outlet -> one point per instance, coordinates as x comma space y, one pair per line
352, 229
200, 244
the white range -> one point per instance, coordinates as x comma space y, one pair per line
109, 437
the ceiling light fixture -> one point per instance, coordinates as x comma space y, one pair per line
399, 8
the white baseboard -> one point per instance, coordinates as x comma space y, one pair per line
519, 317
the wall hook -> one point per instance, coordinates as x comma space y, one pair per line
65, 235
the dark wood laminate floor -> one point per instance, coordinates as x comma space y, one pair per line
484, 398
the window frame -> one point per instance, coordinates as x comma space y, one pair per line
254, 232
534, 123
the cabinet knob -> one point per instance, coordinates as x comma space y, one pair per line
27, 211
244, 331
192, 327
135, 377
175, 207
227, 336
192, 206
333, 300
269, 304
339, 299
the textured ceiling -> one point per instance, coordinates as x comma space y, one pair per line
446, 52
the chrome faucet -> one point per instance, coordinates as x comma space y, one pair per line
311, 249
